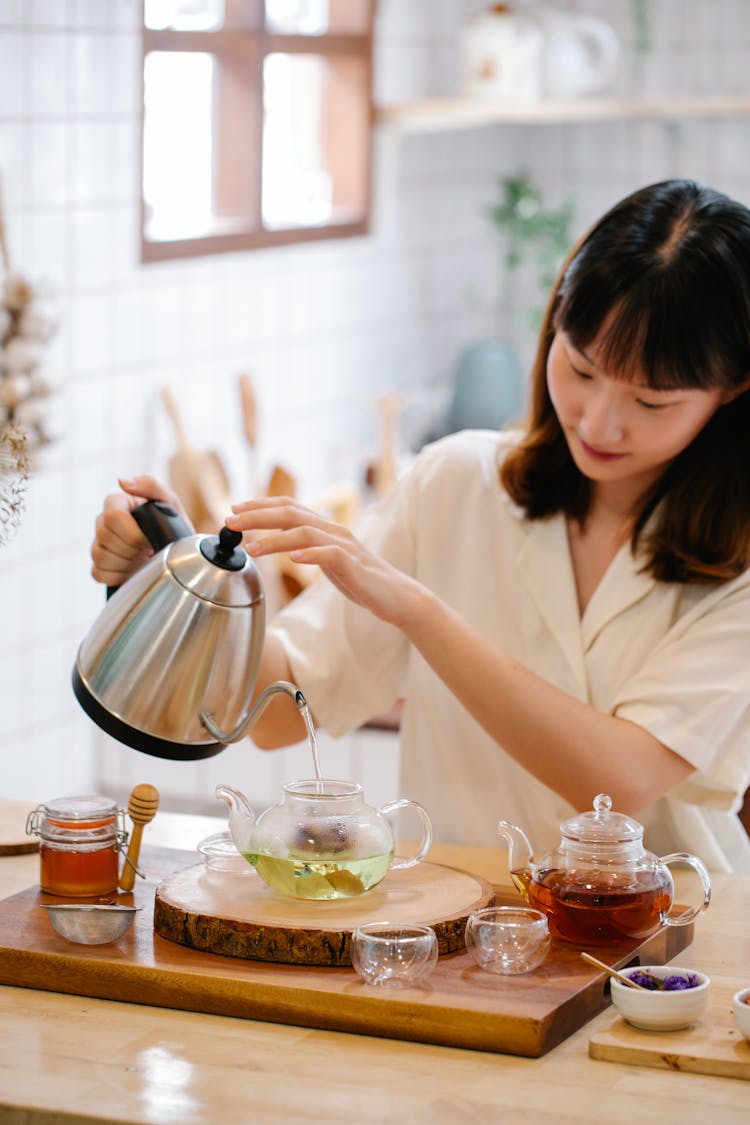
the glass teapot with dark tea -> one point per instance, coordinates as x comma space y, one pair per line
600, 885
321, 841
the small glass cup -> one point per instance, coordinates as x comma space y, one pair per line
393, 954
508, 939
220, 855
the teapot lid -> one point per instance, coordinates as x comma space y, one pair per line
602, 826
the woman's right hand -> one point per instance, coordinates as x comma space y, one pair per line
120, 547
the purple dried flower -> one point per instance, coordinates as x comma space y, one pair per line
679, 981
646, 980
675, 983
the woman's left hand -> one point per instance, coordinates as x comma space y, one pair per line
280, 525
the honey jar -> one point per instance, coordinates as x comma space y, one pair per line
80, 840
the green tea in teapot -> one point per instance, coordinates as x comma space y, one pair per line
320, 879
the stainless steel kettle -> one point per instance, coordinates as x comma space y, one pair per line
170, 665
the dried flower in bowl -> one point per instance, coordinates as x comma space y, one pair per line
671, 997
676, 982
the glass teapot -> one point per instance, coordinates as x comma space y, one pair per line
321, 841
600, 885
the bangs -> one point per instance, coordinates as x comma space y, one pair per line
649, 332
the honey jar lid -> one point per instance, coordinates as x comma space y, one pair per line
86, 808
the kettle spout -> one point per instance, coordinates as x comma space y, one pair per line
241, 819
520, 858
255, 712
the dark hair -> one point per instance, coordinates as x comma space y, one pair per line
662, 283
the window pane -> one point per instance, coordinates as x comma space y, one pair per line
296, 187
315, 153
184, 15
177, 180
317, 17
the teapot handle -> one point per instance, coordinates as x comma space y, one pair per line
424, 846
161, 524
692, 911
604, 53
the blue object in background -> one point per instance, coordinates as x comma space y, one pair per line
488, 391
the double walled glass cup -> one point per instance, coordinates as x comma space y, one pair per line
508, 939
394, 954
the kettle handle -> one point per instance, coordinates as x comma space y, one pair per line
161, 524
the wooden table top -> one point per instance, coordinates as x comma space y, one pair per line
70, 1058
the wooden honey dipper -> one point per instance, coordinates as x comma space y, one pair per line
142, 806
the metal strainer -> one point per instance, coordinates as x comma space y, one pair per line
90, 923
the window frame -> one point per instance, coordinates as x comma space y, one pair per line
251, 46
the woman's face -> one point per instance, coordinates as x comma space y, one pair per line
621, 432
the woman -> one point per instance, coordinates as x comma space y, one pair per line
565, 610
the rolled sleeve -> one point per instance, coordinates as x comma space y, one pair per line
693, 694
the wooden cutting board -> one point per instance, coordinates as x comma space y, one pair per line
713, 1045
13, 838
241, 916
459, 1005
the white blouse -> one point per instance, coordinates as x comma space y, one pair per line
673, 658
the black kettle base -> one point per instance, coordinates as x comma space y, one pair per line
136, 739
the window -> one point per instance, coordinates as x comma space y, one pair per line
257, 123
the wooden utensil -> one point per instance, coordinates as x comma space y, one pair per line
249, 411
390, 407
142, 806
612, 972
293, 577
198, 476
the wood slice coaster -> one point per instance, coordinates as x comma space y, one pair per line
238, 915
13, 838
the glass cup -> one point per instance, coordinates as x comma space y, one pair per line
508, 939
393, 954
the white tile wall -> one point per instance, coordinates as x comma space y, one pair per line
322, 328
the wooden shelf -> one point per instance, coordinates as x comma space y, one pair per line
431, 115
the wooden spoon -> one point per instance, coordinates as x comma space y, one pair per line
612, 972
142, 806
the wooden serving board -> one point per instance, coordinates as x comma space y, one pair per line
459, 1005
241, 916
713, 1045
13, 838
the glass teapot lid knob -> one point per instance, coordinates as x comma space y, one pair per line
602, 804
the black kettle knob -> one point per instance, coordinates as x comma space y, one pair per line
224, 549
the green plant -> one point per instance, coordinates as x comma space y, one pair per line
537, 237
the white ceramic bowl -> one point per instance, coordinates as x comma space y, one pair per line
660, 1010
741, 1009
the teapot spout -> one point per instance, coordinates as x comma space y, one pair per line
255, 712
241, 819
520, 858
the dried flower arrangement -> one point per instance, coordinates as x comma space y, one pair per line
26, 326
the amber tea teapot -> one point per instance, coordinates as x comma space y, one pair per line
321, 841
600, 885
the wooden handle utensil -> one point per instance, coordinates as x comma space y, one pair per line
142, 806
612, 972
